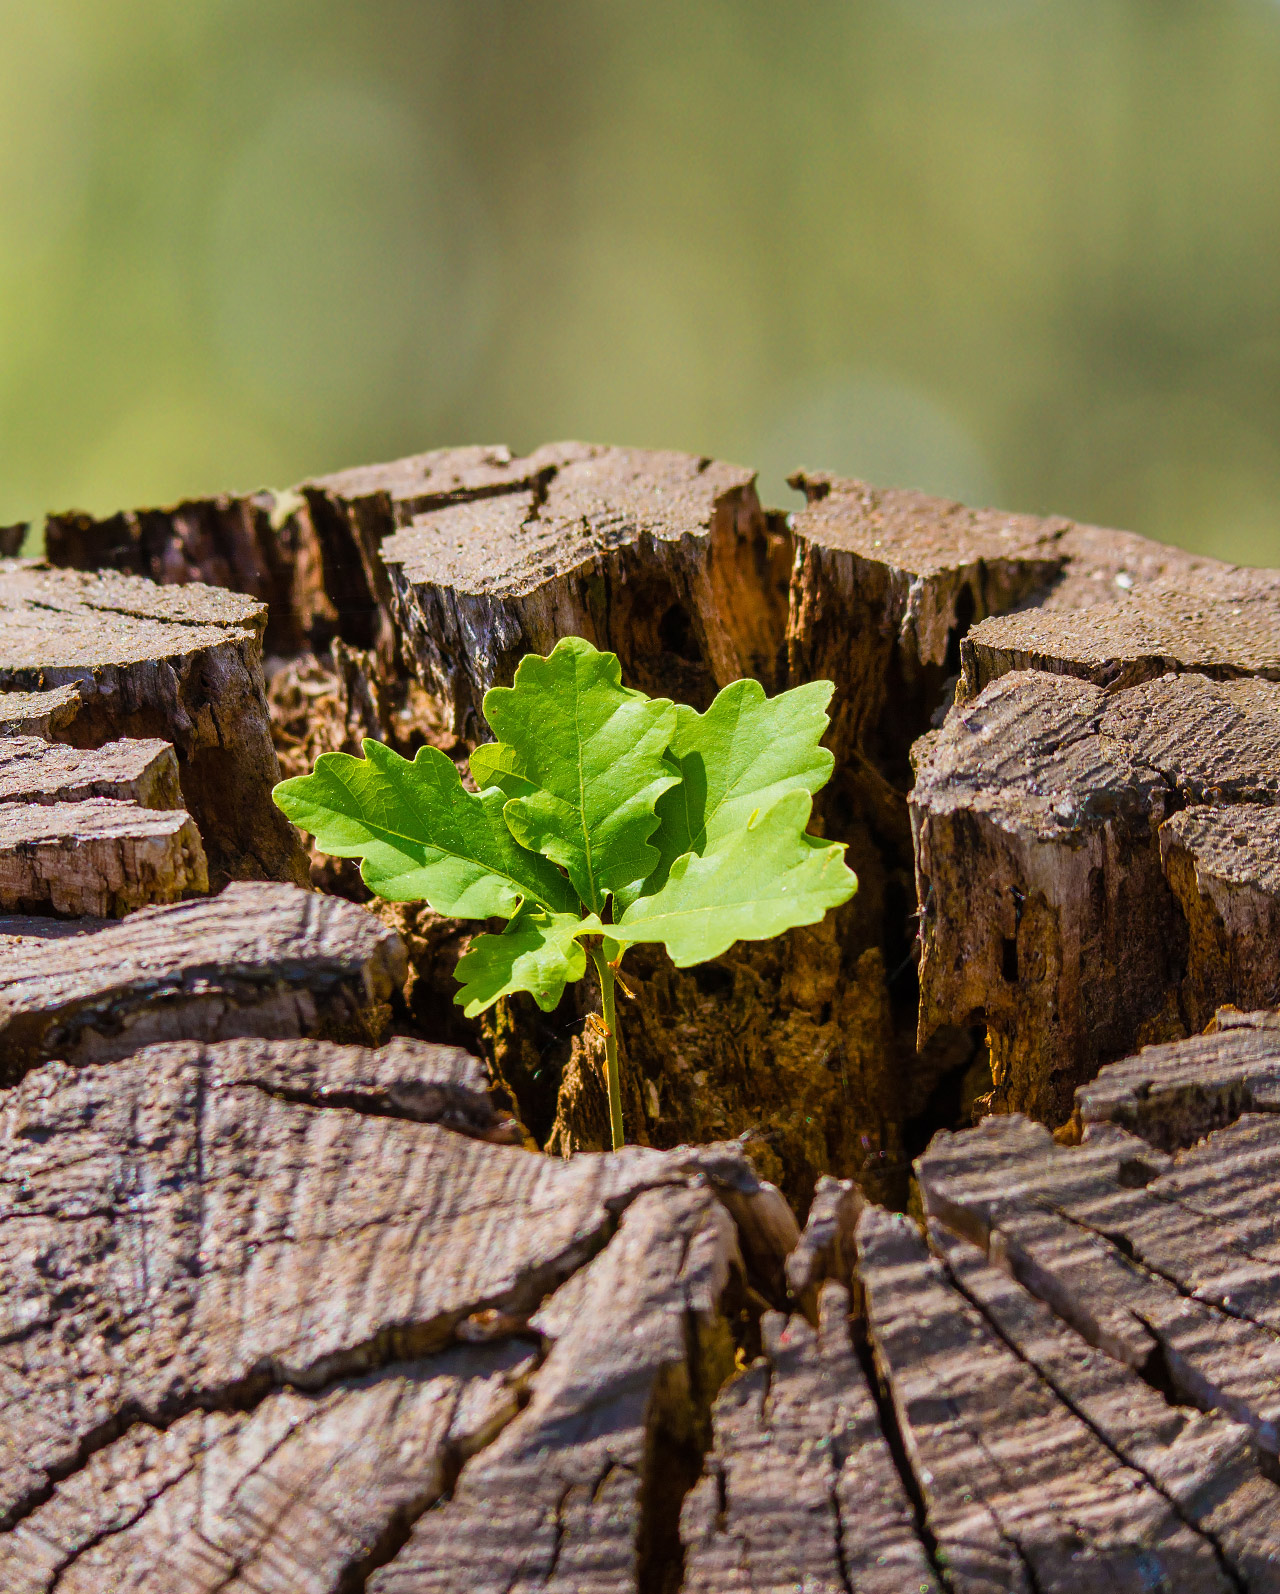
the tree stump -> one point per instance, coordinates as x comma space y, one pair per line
280, 1311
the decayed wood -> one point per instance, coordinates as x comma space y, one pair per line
1020, 1493
260, 959
664, 558
1063, 900
354, 510
279, 1255
96, 857
799, 1489
44, 714
1173, 1095
183, 663
1099, 1232
261, 544
1224, 867
1204, 1464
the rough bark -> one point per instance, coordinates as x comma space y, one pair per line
266, 960
97, 857
318, 1311
1096, 868
181, 663
800, 1489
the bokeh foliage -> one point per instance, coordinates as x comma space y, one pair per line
1020, 250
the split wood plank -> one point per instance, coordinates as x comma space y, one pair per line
97, 857
44, 714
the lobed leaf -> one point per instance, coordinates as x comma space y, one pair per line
538, 952
496, 764
740, 756
751, 884
594, 750
421, 835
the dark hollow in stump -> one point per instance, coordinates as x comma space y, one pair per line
179, 663
259, 959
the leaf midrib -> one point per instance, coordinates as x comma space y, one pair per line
385, 833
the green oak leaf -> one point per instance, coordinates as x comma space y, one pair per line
421, 835
595, 751
740, 756
753, 883
538, 952
496, 764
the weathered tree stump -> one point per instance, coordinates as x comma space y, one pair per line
280, 1313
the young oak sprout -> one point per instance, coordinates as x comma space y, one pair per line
604, 818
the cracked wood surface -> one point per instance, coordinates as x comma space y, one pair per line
799, 1489
1175, 1094
293, 1497
1099, 1233
1203, 1463
259, 1317
1066, 899
578, 1493
259, 959
182, 663
1223, 622
1020, 1494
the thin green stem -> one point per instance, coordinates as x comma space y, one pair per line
604, 973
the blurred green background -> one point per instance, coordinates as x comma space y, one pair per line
1018, 251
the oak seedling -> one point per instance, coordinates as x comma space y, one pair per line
603, 818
